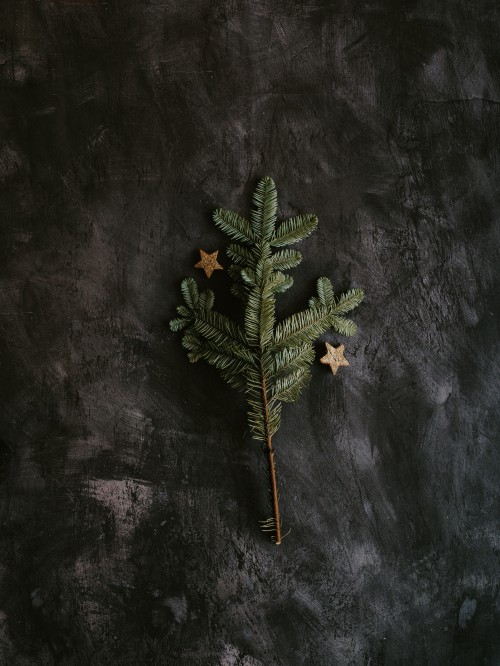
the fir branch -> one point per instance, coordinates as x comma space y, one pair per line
189, 290
240, 255
302, 327
294, 230
325, 291
289, 387
263, 215
285, 259
233, 225
348, 301
270, 362
342, 325
290, 359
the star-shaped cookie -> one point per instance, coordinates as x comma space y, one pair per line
209, 262
334, 357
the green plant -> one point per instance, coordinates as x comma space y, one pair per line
269, 361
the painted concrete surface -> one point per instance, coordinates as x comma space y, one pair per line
130, 490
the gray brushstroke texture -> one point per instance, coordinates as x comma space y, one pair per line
130, 490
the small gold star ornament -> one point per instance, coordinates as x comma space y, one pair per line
209, 262
334, 357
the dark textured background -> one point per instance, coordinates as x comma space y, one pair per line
131, 491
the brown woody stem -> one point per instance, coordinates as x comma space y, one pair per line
272, 464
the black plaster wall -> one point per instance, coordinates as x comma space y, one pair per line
130, 489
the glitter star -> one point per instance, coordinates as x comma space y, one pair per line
334, 357
209, 262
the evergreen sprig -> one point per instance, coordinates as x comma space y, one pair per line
269, 361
